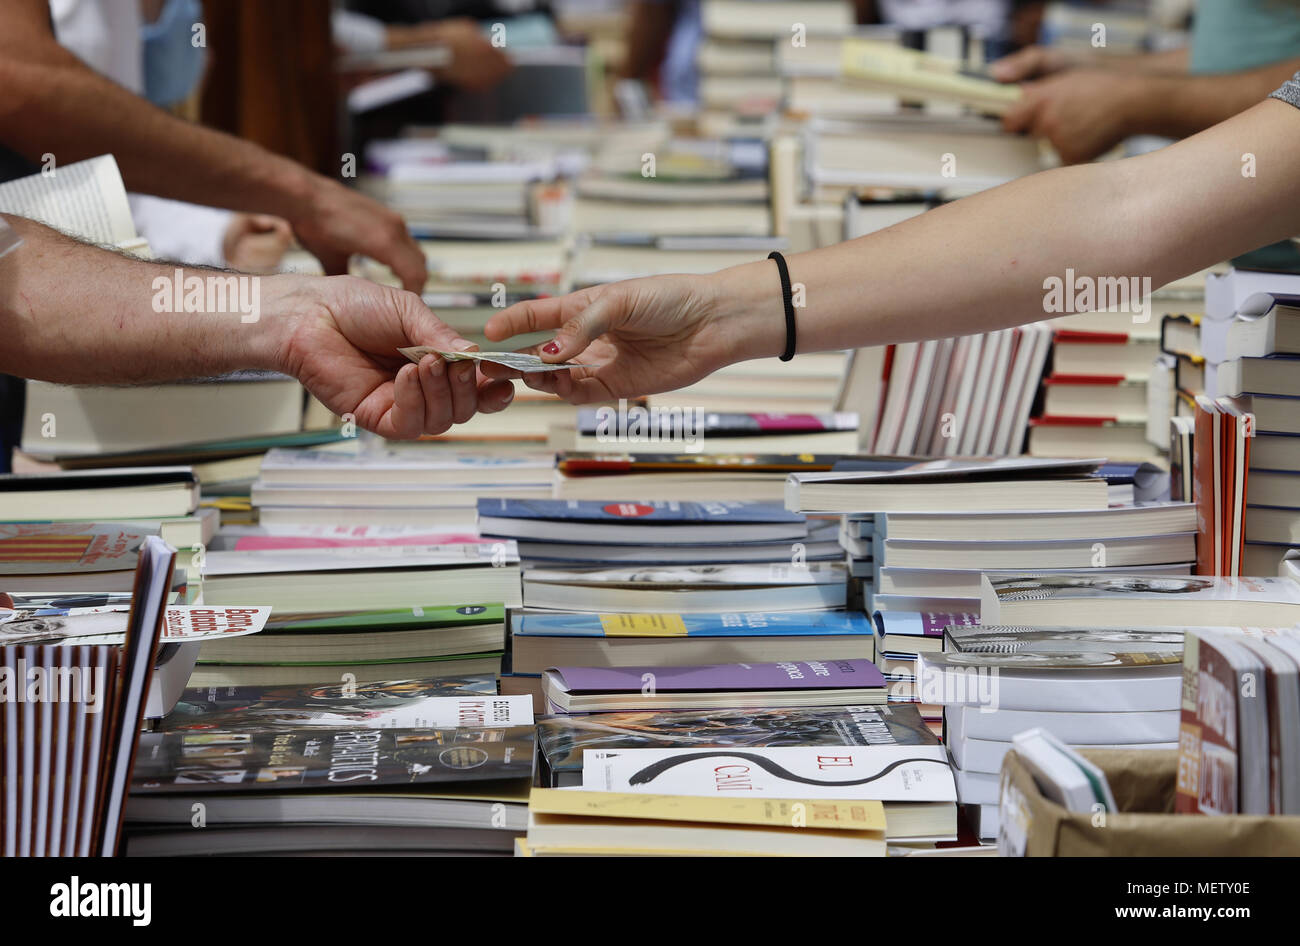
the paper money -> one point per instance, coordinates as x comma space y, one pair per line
511, 359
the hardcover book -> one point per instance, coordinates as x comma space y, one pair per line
328, 758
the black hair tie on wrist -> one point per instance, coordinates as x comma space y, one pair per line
787, 297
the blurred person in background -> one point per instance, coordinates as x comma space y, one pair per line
146, 47
1085, 102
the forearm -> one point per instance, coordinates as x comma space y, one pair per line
78, 314
54, 104
64, 109
980, 263
1182, 106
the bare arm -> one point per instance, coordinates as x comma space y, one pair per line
78, 314
972, 266
54, 104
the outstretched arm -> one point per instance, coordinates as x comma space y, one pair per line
77, 314
971, 266
55, 104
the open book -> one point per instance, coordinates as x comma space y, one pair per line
85, 200
887, 67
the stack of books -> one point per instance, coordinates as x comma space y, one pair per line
581, 750
392, 484
72, 714
409, 765
369, 609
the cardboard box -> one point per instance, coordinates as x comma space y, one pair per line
1143, 783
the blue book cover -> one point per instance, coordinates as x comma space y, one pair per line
726, 624
731, 512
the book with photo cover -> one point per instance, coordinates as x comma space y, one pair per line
1066, 641
1223, 740
391, 703
563, 739
1139, 600
342, 758
102, 619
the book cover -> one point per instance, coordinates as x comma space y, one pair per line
391, 618
883, 773
563, 739
42, 548
594, 421
392, 703
1089, 659
729, 624
788, 675
342, 759
102, 619
720, 512
681, 577
1084, 588
919, 623
1068, 642
577, 463
1208, 779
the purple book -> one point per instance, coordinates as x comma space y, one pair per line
789, 675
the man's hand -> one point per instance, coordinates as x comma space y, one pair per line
334, 222
341, 339
1083, 113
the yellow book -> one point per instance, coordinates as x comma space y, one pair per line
890, 68
855, 815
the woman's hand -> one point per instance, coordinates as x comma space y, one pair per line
641, 336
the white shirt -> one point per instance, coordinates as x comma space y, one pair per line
105, 35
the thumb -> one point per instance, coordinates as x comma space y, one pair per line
584, 328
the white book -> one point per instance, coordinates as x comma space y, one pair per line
1009, 342
900, 381
986, 755
984, 374
934, 399
1059, 683
885, 773
1075, 728
917, 395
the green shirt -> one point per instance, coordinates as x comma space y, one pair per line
1232, 35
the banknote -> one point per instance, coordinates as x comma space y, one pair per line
511, 359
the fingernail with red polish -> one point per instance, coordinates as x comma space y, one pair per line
551, 348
